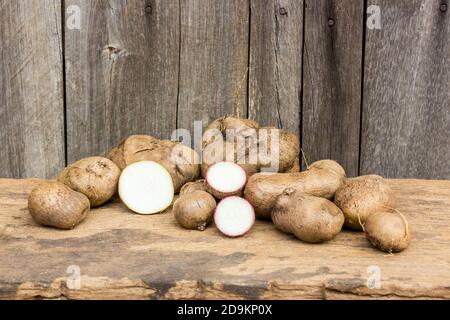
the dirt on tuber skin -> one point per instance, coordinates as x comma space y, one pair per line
199, 185
55, 204
194, 210
285, 157
388, 231
321, 179
359, 197
95, 177
222, 139
179, 160
311, 219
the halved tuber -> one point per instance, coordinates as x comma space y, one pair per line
182, 162
194, 210
234, 216
95, 177
55, 204
225, 179
388, 231
146, 187
321, 179
358, 197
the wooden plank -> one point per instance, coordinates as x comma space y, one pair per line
276, 39
122, 73
124, 255
213, 61
31, 89
332, 81
406, 110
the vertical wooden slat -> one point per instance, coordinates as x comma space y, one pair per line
213, 61
276, 39
121, 73
31, 89
332, 81
406, 110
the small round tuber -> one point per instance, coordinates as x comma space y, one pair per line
55, 204
199, 185
95, 177
361, 196
311, 219
194, 210
388, 231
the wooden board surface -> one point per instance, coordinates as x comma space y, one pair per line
213, 60
406, 109
123, 255
31, 88
276, 39
121, 73
332, 81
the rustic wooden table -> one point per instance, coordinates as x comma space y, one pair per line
123, 255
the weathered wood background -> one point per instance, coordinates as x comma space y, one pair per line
376, 100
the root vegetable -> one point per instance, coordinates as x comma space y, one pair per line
194, 210
146, 187
311, 219
95, 177
361, 196
225, 179
388, 231
286, 150
199, 185
321, 179
234, 216
182, 162
55, 204
231, 139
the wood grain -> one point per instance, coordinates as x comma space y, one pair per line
31, 89
122, 73
213, 61
276, 38
332, 81
125, 255
406, 110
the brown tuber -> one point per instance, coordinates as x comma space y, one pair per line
321, 179
361, 196
194, 210
55, 204
388, 231
199, 185
311, 219
95, 177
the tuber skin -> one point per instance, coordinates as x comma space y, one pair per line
359, 197
182, 162
95, 177
321, 179
199, 185
388, 231
56, 205
194, 210
288, 150
220, 143
311, 219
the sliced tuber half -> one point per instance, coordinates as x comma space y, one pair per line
225, 179
234, 216
146, 187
